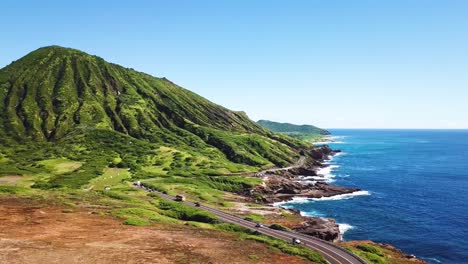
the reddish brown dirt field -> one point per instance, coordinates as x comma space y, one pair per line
33, 233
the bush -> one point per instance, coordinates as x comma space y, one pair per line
373, 258
371, 249
10, 189
157, 187
234, 228
134, 221
186, 213
279, 227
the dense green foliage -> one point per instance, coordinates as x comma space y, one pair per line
307, 133
370, 253
183, 212
371, 249
60, 103
279, 227
287, 128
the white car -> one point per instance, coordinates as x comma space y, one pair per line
296, 241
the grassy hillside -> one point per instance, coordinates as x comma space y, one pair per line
301, 132
63, 103
72, 124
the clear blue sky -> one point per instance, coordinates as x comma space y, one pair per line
371, 64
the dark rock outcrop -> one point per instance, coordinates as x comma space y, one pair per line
321, 153
323, 228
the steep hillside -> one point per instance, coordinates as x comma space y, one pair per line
302, 132
52, 90
63, 103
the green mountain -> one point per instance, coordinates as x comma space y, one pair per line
303, 132
63, 103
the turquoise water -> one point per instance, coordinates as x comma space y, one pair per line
417, 184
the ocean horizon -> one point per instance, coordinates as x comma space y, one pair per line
413, 194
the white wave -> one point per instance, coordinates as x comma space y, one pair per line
305, 178
434, 259
345, 196
302, 200
328, 179
312, 214
326, 170
326, 174
331, 140
305, 182
344, 227
328, 142
295, 200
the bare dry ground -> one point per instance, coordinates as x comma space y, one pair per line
34, 233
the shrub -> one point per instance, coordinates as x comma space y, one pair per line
134, 221
186, 213
279, 227
370, 249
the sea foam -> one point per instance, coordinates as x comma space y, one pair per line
302, 200
344, 227
295, 200
331, 140
325, 173
345, 196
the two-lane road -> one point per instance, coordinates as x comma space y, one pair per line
332, 253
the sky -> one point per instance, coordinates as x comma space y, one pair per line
330, 63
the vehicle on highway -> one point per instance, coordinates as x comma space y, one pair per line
296, 241
179, 198
332, 253
197, 204
258, 225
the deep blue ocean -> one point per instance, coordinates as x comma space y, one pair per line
417, 184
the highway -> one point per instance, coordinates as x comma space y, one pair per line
332, 253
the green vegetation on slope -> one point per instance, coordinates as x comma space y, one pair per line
302, 132
61, 104
72, 124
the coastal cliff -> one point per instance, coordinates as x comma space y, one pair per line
284, 184
301, 180
304, 181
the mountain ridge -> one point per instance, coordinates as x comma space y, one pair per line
306, 133
54, 93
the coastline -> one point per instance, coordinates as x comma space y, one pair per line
325, 174
310, 179
321, 173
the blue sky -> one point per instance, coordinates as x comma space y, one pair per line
335, 64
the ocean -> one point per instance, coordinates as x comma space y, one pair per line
415, 190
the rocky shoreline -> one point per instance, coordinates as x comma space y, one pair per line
303, 180
295, 181
284, 184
